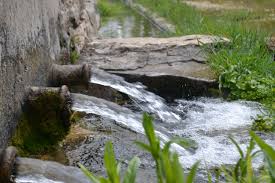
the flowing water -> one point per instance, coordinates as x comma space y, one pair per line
34, 179
148, 101
130, 25
207, 121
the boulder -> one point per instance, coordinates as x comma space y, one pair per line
159, 63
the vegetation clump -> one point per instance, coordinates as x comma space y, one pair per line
263, 123
109, 8
42, 125
245, 66
169, 168
74, 55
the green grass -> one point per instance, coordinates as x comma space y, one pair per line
245, 66
108, 8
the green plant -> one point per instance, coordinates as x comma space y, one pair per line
113, 168
263, 123
245, 66
74, 56
168, 167
108, 8
243, 170
104, 8
269, 154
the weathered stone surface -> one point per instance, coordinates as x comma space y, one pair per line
178, 56
7, 161
30, 43
90, 151
32, 35
50, 170
79, 22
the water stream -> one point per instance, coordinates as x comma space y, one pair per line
147, 101
207, 121
129, 25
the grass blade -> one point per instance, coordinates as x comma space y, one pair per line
267, 149
130, 175
88, 174
192, 173
110, 163
237, 146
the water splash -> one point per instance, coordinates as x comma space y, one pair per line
121, 115
34, 179
208, 122
148, 101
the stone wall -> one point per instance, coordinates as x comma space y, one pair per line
31, 35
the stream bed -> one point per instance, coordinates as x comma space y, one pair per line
208, 122
129, 25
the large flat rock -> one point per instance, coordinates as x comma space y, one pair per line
168, 66
178, 56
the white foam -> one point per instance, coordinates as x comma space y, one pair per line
209, 122
148, 101
34, 179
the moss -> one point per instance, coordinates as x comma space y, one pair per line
77, 116
41, 126
264, 124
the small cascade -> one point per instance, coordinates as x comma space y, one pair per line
208, 121
121, 115
146, 100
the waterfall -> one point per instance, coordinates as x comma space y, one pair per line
207, 121
148, 101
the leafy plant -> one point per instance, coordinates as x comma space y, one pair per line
168, 167
108, 8
245, 66
74, 56
263, 123
243, 170
269, 154
113, 168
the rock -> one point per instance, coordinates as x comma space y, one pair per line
90, 151
30, 43
7, 161
169, 63
79, 22
51, 171
33, 35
